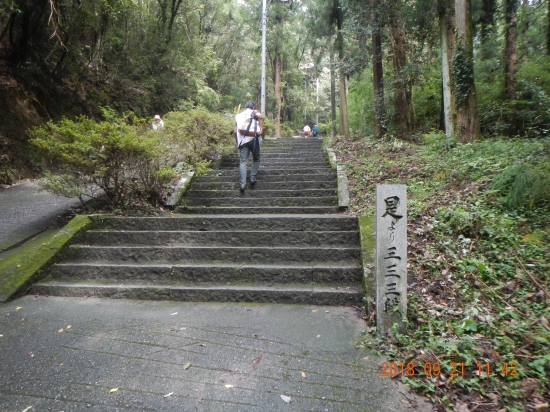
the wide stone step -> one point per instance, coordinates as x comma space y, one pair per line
192, 274
221, 238
233, 184
293, 141
292, 295
311, 173
253, 210
226, 254
312, 155
260, 192
277, 154
232, 222
247, 201
279, 163
221, 177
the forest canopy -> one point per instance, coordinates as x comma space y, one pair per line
357, 67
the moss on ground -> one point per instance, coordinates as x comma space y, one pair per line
24, 265
368, 245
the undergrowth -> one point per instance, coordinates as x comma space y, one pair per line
479, 254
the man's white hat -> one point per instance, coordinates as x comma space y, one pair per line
157, 117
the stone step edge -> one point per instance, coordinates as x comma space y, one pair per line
249, 211
324, 265
331, 296
250, 248
332, 289
289, 216
170, 231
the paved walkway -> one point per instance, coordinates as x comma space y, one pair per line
82, 354
76, 354
26, 211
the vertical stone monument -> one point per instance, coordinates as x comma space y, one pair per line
391, 257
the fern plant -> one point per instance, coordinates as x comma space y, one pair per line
523, 184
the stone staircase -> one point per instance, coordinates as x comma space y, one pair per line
282, 241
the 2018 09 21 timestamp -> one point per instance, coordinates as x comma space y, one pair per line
454, 369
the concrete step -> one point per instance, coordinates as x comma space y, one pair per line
277, 154
225, 254
279, 163
221, 238
290, 295
199, 274
232, 222
298, 141
310, 173
233, 184
253, 210
248, 201
260, 192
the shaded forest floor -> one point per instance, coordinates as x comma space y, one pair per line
479, 258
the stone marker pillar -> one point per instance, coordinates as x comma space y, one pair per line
391, 257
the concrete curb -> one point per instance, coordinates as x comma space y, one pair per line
31, 270
343, 187
180, 188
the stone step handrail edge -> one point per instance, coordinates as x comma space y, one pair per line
343, 187
180, 188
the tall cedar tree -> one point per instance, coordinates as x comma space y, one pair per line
463, 74
402, 96
337, 16
447, 27
377, 73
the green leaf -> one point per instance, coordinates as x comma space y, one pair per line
469, 325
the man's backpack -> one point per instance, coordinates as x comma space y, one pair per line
253, 125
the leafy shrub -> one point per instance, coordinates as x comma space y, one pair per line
269, 127
325, 129
117, 161
195, 135
8, 174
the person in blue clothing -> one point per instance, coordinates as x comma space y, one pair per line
315, 131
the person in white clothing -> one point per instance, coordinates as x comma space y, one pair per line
307, 130
248, 130
157, 124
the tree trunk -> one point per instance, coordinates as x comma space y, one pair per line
525, 21
400, 83
463, 74
510, 36
446, 26
278, 95
332, 89
487, 18
344, 127
377, 75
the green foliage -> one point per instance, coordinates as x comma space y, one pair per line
195, 135
8, 173
117, 160
523, 185
288, 130
473, 301
462, 74
121, 160
269, 127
